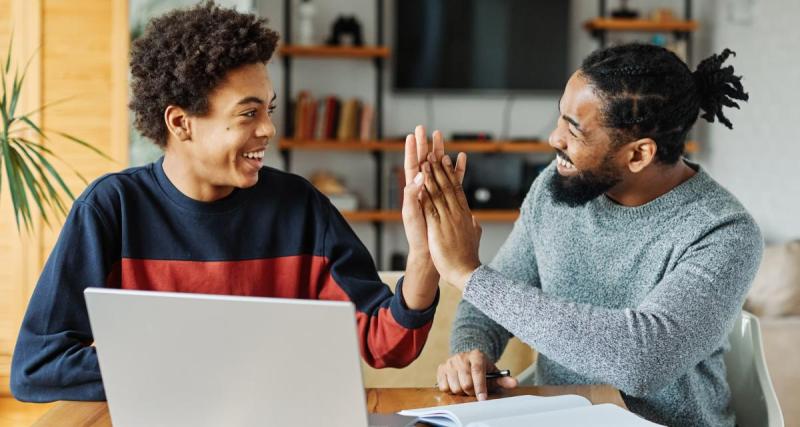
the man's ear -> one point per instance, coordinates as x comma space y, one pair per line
641, 153
178, 123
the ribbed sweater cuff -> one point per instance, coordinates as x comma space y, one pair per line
406, 317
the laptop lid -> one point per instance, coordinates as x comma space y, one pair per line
171, 359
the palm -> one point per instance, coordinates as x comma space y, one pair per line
416, 152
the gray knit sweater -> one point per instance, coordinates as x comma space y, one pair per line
641, 298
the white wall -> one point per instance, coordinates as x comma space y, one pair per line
757, 161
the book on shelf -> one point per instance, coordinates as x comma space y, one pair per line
524, 411
366, 120
330, 118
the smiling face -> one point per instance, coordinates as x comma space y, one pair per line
224, 148
587, 163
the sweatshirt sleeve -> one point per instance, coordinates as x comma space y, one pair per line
390, 334
472, 329
641, 349
53, 358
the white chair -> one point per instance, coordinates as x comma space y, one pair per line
754, 400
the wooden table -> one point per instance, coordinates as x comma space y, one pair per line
379, 400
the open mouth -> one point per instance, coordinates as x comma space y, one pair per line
254, 159
254, 155
563, 163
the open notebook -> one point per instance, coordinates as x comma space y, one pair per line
518, 411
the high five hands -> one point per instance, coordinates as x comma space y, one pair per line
453, 234
453, 237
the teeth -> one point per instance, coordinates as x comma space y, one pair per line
254, 154
563, 162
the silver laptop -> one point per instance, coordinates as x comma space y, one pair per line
176, 359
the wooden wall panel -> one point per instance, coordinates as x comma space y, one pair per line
19, 251
84, 57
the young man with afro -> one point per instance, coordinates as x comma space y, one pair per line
209, 218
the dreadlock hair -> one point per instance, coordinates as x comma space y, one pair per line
184, 54
648, 92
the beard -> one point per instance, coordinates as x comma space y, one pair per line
587, 185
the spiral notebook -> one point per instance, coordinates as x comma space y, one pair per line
519, 411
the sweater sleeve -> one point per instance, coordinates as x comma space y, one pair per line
639, 350
390, 333
53, 358
472, 329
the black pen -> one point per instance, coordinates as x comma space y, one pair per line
498, 374
490, 376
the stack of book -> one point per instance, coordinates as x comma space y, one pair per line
330, 118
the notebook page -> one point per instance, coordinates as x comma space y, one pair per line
465, 413
605, 415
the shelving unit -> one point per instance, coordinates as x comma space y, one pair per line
378, 147
376, 54
364, 52
683, 29
642, 25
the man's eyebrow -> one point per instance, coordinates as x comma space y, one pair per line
567, 118
250, 100
573, 121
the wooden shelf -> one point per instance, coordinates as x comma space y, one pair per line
644, 25
483, 215
395, 145
466, 146
323, 51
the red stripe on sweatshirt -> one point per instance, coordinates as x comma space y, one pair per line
383, 341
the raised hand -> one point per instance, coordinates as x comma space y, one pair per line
421, 279
453, 233
416, 153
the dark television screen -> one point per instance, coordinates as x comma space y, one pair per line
494, 45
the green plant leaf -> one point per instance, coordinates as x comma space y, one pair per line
85, 144
53, 172
30, 181
49, 152
54, 199
10, 49
48, 105
18, 195
33, 126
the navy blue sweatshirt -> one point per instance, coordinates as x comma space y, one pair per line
135, 230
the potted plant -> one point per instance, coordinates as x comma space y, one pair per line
26, 165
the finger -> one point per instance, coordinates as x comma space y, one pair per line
441, 378
428, 208
507, 382
455, 183
478, 370
446, 188
434, 192
422, 143
461, 166
411, 163
465, 379
438, 144
411, 195
452, 380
